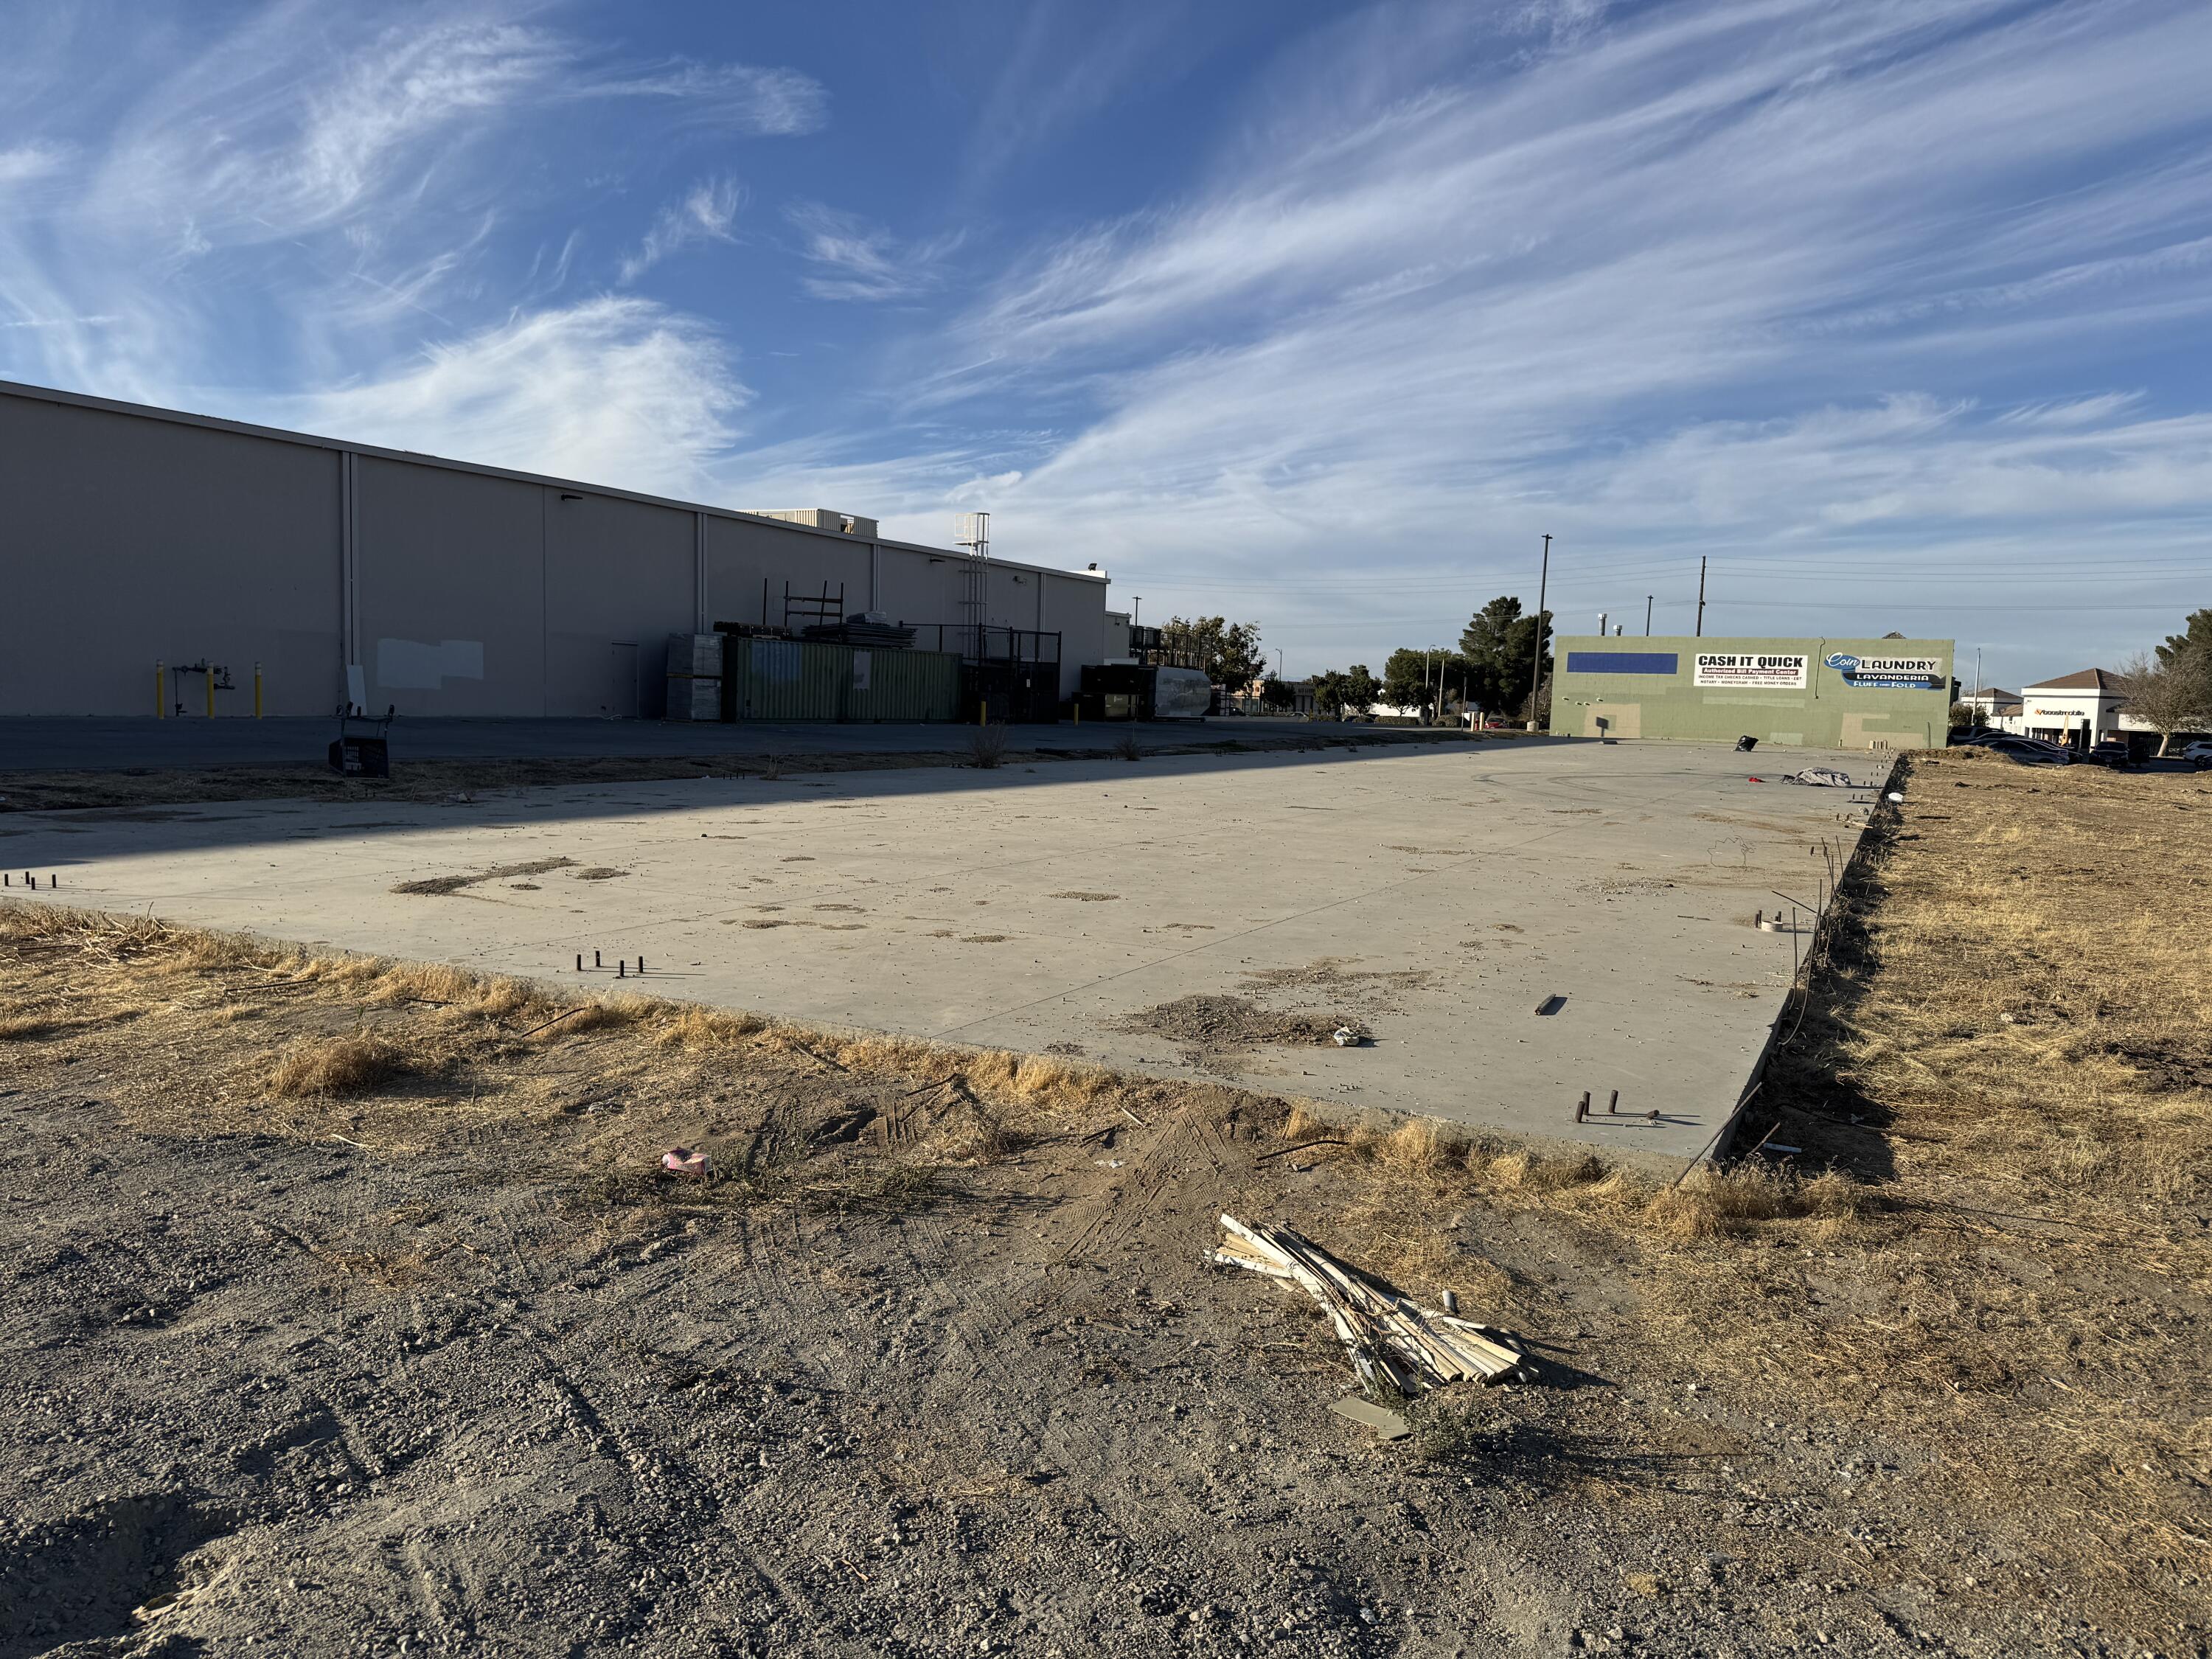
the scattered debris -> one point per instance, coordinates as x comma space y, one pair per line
1386, 1424
1395, 1343
1825, 777
683, 1161
1551, 1004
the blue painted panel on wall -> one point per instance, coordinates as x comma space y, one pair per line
1622, 662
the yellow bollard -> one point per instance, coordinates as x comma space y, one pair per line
984, 712
161, 691
209, 678
256, 691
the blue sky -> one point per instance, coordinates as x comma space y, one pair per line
1316, 314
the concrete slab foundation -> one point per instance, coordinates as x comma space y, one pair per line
1434, 897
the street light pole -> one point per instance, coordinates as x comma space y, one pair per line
1647, 616
1701, 598
1536, 671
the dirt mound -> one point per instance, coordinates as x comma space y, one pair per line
1215, 1028
442, 884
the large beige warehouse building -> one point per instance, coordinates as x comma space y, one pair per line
130, 535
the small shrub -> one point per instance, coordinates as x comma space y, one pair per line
1128, 748
987, 746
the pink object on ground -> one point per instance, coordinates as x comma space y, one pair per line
682, 1160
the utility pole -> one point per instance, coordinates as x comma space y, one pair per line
1536, 671
1701, 598
1647, 616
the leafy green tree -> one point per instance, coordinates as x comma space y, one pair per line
1328, 692
1277, 694
1417, 679
1500, 647
2194, 640
1229, 652
1361, 690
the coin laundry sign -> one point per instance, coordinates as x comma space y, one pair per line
1890, 673
1781, 671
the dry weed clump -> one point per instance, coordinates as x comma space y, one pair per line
1410, 1179
342, 1066
1729, 1202
705, 1030
986, 747
16, 1028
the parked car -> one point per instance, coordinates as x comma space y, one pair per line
2108, 751
2031, 751
2200, 751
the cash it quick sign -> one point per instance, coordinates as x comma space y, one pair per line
1891, 673
1774, 669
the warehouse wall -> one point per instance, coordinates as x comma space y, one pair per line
618, 582
742, 553
451, 584
124, 540
918, 588
129, 535
1649, 688
1074, 608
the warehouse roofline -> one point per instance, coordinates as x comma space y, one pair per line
279, 434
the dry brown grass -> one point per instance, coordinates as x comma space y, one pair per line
2034, 995
1995, 1234
2002, 1265
342, 1066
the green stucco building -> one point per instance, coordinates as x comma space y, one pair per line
1821, 693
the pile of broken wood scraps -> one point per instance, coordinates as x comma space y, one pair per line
1395, 1343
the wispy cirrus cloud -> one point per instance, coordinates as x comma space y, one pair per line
1702, 269
776, 102
345, 189
706, 213
615, 387
849, 259
21, 163
1911, 289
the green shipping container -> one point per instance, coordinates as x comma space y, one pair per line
809, 680
784, 679
902, 685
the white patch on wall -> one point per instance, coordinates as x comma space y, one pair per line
417, 665
862, 669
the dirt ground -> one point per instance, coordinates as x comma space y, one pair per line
347, 1313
